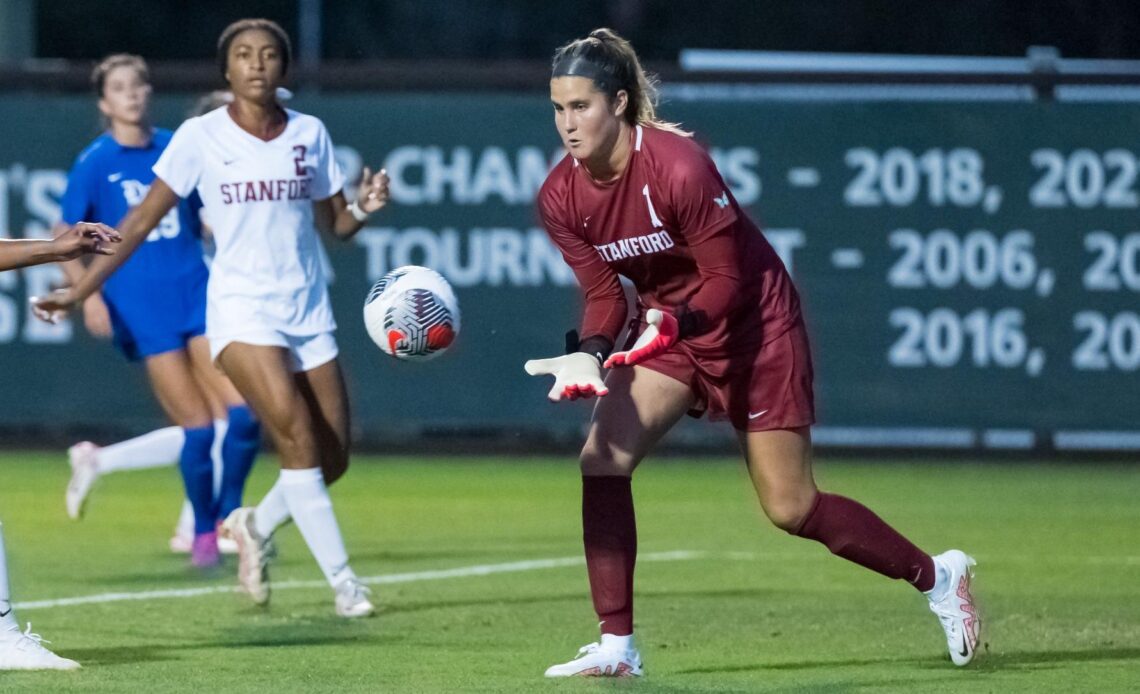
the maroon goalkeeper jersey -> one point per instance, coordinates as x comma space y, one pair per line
670, 225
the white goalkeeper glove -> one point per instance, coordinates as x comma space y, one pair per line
576, 375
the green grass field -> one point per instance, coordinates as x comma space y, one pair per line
727, 603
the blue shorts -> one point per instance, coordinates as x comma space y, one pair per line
160, 318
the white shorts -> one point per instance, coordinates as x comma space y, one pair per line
306, 352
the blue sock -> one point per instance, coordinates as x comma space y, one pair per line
198, 476
239, 448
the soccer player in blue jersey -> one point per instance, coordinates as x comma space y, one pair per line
155, 303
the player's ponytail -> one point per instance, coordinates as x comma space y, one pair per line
610, 61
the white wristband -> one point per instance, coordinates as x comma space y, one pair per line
357, 213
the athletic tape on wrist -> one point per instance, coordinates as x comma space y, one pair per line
357, 213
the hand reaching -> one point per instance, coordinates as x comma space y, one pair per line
576, 375
373, 192
54, 306
83, 238
659, 336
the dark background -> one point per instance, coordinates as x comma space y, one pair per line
521, 29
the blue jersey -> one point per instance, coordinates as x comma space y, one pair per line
157, 297
106, 181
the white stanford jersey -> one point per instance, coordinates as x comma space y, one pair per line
267, 268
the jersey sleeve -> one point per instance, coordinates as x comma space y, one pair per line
79, 196
605, 309
705, 213
328, 178
181, 163
698, 200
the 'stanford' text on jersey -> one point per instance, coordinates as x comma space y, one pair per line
259, 198
671, 226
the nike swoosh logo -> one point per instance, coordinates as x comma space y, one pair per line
114, 178
228, 162
965, 652
754, 415
5, 614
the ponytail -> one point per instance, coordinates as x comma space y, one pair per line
612, 64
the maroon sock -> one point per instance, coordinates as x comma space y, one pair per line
610, 534
852, 531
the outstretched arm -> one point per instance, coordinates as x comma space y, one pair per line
85, 237
134, 229
579, 373
96, 317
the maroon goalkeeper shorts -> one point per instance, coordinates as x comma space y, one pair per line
769, 389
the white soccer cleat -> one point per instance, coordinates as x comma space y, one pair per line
956, 609
181, 544
253, 554
227, 545
352, 599
84, 472
23, 650
595, 661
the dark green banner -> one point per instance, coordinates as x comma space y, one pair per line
970, 271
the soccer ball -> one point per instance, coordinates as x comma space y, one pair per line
411, 313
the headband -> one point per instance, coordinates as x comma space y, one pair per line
581, 66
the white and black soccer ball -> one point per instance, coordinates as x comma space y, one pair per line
411, 313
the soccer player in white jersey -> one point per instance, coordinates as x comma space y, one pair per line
23, 650
154, 305
269, 178
162, 447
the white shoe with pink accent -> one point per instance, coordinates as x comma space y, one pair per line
253, 554
594, 660
954, 604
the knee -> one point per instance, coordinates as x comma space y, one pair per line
292, 433
602, 460
788, 510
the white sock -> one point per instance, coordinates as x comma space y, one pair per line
7, 616
312, 511
271, 512
941, 582
185, 520
220, 428
159, 448
613, 642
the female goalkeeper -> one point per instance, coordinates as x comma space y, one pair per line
721, 332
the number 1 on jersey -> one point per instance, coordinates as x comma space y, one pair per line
652, 212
